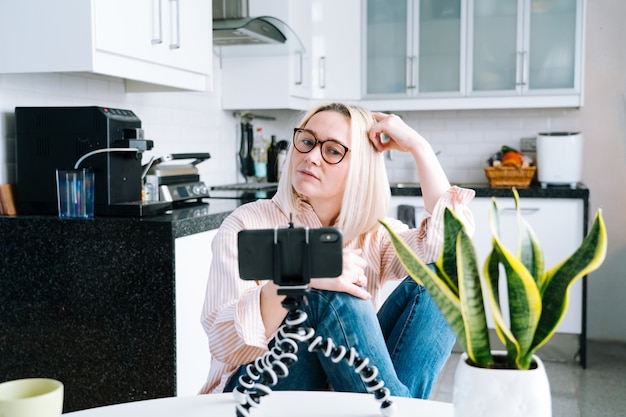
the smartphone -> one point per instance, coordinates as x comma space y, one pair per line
290, 256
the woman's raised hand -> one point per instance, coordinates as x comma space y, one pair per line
391, 132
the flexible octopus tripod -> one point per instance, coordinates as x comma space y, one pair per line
265, 371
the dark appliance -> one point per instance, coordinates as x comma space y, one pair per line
179, 182
108, 141
246, 192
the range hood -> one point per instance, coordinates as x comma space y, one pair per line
234, 31
246, 31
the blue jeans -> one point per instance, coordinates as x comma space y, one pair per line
409, 342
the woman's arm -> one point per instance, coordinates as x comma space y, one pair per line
402, 137
231, 315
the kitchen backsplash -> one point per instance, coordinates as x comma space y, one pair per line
464, 140
194, 122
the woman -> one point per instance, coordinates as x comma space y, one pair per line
334, 175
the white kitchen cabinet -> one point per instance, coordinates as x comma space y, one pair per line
158, 43
327, 69
472, 54
193, 260
335, 50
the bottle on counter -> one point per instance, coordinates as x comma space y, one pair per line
281, 156
259, 155
272, 163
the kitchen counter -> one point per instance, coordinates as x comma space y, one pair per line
484, 190
535, 190
92, 302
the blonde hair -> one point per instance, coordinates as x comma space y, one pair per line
367, 193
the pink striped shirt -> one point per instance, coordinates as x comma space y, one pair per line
231, 314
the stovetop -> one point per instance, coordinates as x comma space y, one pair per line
244, 191
247, 186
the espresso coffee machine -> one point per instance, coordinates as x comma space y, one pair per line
108, 141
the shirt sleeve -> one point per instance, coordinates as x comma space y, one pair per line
231, 315
430, 240
427, 239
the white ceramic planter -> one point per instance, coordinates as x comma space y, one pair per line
501, 392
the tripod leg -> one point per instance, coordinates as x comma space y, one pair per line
367, 373
265, 371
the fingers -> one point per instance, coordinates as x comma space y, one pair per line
341, 284
382, 133
358, 292
352, 280
360, 281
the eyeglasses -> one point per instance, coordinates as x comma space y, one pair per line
332, 151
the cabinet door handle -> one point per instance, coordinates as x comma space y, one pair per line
523, 211
175, 36
521, 65
299, 72
322, 72
157, 23
410, 67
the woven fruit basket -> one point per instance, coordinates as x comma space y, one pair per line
507, 177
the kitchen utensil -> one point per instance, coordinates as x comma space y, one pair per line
179, 182
245, 150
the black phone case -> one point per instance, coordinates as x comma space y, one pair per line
286, 261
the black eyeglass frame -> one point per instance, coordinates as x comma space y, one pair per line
321, 143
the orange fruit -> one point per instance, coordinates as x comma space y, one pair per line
512, 159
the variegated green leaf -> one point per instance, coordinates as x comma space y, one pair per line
472, 306
523, 294
529, 249
492, 277
587, 258
445, 298
524, 302
447, 262
455, 285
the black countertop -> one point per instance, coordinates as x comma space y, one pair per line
91, 302
484, 190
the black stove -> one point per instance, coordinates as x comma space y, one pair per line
249, 191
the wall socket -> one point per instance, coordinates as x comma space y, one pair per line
528, 144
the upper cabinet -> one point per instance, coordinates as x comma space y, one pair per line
414, 48
328, 67
460, 54
153, 44
525, 47
407, 55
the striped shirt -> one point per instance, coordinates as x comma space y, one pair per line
231, 315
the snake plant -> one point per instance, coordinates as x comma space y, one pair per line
537, 298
